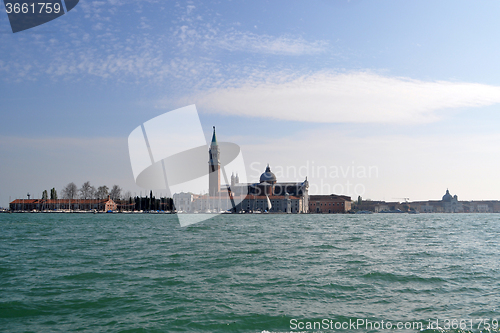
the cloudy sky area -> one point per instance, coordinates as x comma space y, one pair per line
393, 99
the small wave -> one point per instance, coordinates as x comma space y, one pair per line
391, 277
91, 276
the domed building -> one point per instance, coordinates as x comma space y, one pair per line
447, 196
268, 176
451, 204
268, 195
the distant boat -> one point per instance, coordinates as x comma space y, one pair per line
364, 212
392, 211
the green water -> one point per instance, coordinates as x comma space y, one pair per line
246, 273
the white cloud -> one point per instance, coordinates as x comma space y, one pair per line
327, 97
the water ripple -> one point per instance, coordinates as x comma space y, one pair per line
243, 273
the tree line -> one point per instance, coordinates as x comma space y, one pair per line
151, 203
87, 191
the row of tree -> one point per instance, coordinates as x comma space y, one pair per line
87, 191
127, 202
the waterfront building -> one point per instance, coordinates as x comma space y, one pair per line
329, 204
377, 206
429, 206
183, 201
451, 203
433, 206
482, 208
63, 205
485, 206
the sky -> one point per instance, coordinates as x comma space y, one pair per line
382, 99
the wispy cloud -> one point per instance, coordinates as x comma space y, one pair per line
207, 37
196, 31
100, 45
281, 45
327, 97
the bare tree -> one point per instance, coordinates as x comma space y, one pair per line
127, 195
102, 192
70, 191
116, 192
87, 191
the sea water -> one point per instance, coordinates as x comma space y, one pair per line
249, 273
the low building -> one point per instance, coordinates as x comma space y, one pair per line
377, 206
482, 208
486, 206
30, 205
450, 204
329, 204
183, 202
430, 206
287, 203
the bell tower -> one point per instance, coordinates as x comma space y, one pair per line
214, 167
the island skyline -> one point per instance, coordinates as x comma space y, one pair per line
409, 90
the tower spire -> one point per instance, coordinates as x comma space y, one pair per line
214, 167
214, 138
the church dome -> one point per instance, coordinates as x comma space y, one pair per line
268, 176
447, 197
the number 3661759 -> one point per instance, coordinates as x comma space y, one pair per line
33, 8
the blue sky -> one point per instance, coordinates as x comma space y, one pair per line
410, 89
